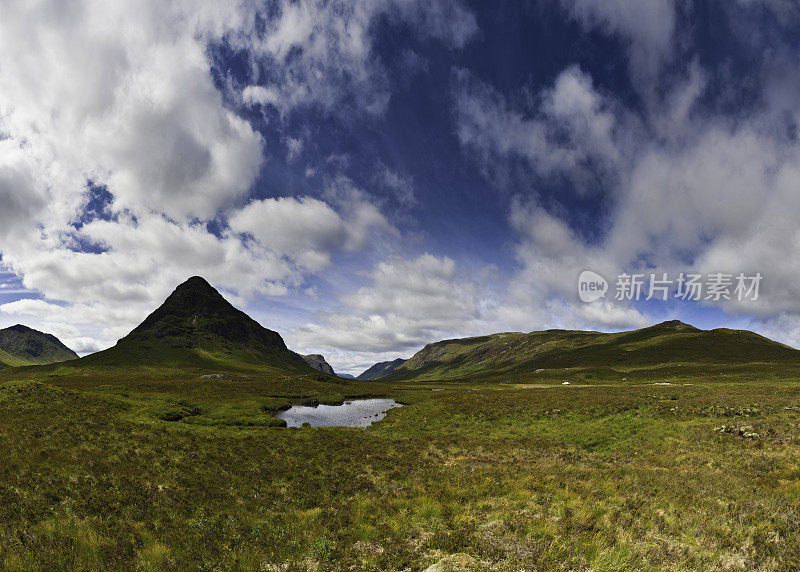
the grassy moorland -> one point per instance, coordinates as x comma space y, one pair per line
667, 351
673, 448
153, 470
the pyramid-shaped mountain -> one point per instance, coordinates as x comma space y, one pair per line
197, 326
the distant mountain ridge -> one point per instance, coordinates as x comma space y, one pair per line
197, 325
381, 369
668, 349
21, 345
317, 361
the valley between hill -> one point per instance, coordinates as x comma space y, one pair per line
671, 448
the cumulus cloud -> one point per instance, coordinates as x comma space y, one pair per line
573, 132
721, 198
21, 193
685, 187
320, 53
128, 100
407, 302
82, 327
141, 259
648, 26
679, 198
783, 327
123, 96
542, 293
307, 229
137, 261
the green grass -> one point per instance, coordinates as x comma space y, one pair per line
666, 351
158, 354
168, 469
6, 359
20, 346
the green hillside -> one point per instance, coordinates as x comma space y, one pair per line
381, 369
21, 345
194, 327
669, 349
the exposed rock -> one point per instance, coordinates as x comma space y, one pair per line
745, 431
457, 563
317, 361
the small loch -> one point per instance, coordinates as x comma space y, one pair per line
354, 413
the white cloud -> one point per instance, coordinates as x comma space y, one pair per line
143, 259
407, 303
573, 133
83, 345
21, 193
685, 189
257, 94
71, 337
784, 328
94, 314
294, 147
67, 333
764, 240
679, 198
320, 53
82, 327
542, 293
647, 25
122, 94
402, 186
307, 229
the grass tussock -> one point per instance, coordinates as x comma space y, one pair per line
190, 474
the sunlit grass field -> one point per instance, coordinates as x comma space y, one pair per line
177, 471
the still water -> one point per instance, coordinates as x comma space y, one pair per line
356, 413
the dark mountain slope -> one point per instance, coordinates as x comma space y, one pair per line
381, 369
317, 361
197, 326
21, 345
666, 349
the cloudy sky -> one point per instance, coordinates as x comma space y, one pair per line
367, 176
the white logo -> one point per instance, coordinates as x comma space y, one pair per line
591, 286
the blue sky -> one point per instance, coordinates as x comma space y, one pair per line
368, 176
